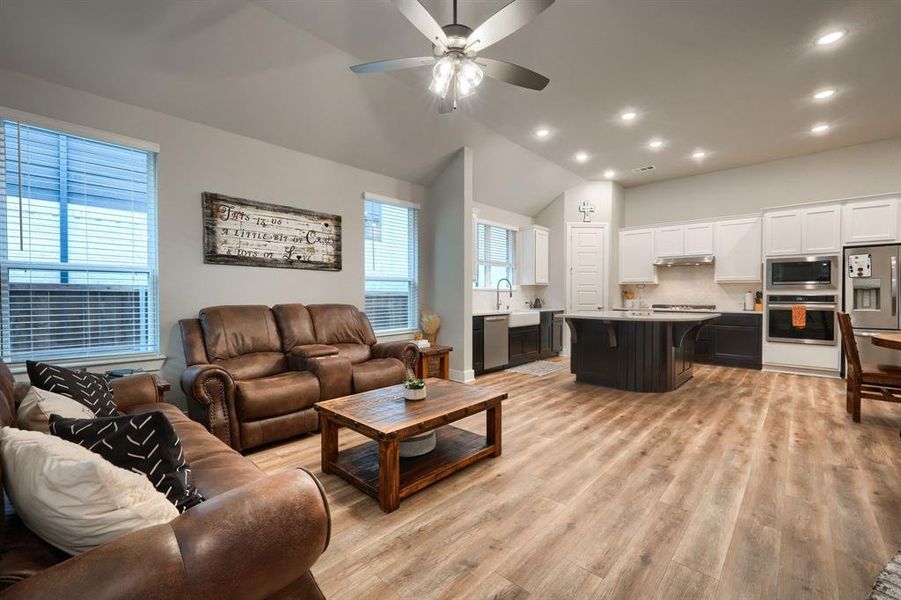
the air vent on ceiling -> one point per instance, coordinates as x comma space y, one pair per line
644, 169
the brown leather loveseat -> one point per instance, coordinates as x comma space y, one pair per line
253, 372
256, 535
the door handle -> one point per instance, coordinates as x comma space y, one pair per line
894, 286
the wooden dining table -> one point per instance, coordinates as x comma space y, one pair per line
891, 341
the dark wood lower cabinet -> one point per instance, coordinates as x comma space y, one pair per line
478, 344
524, 343
527, 344
731, 340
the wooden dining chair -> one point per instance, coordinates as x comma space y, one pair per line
865, 380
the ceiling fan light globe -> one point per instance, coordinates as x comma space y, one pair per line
444, 69
464, 88
471, 73
439, 87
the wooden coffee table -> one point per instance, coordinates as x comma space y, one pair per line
384, 416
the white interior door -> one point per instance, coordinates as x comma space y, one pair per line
587, 254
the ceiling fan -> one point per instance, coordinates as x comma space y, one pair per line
457, 68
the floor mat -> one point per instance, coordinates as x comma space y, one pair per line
540, 368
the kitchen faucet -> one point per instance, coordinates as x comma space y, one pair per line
498, 289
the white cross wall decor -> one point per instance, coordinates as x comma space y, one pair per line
586, 208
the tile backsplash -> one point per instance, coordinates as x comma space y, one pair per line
485, 300
693, 285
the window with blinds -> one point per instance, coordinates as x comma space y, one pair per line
77, 247
496, 255
391, 241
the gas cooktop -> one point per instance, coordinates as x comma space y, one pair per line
686, 307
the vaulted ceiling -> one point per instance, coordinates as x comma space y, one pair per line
732, 77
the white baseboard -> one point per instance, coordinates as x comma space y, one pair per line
462, 376
801, 371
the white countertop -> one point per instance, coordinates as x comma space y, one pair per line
488, 313
722, 311
627, 315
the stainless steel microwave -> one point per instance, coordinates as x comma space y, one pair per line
804, 273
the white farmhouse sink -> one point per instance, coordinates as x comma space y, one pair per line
523, 318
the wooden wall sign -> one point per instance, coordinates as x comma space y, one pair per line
256, 234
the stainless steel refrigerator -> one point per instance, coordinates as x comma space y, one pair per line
871, 297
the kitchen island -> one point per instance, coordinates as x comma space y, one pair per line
637, 351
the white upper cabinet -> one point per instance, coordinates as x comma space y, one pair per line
738, 250
870, 221
821, 229
692, 239
698, 239
534, 256
814, 230
782, 233
669, 241
636, 256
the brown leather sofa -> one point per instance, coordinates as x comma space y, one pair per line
256, 536
253, 372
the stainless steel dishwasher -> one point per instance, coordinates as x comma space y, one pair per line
497, 342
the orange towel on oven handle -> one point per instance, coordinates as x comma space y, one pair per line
799, 316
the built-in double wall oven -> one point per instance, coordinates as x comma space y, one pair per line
817, 312
803, 273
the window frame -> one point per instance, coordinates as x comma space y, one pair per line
65, 268
511, 265
413, 279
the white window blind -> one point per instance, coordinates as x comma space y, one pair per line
496, 255
391, 240
78, 246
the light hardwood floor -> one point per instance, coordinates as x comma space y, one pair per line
741, 484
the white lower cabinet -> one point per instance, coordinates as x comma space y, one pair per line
738, 250
636, 256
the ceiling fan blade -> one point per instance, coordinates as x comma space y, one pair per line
504, 71
423, 21
504, 22
394, 64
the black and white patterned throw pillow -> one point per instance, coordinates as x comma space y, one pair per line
144, 443
91, 389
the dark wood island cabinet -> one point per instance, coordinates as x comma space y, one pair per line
639, 352
732, 340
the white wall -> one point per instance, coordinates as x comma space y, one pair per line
195, 158
861, 170
607, 199
447, 224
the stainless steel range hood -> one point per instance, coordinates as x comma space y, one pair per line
684, 261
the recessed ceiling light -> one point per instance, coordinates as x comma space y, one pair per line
699, 154
824, 94
581, 157
629, 115
655, 144
820, 128
831, 37
609, 174
542, 133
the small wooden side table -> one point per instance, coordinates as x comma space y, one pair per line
441, 355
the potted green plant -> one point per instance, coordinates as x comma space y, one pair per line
414, 389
